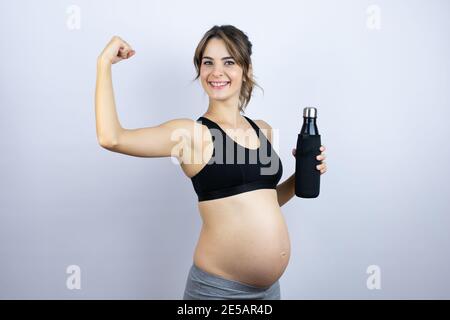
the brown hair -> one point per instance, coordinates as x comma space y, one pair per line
240, 48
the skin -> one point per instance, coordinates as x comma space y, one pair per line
244, 237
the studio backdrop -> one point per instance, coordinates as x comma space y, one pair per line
80, 222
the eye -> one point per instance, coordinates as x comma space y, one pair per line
208, 62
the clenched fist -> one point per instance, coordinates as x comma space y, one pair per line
116, 50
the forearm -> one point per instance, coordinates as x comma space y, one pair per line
286, 190
107, 122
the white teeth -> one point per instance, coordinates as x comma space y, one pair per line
218, 84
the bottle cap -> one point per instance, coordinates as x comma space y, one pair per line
310, 112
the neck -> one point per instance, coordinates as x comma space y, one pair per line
225, 111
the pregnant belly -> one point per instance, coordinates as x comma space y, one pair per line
251, 246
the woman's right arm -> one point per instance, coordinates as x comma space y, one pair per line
167, 139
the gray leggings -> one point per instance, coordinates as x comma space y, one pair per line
202, 285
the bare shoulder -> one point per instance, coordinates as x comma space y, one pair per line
194, 134
265, 128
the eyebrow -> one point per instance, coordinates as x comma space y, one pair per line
224, 58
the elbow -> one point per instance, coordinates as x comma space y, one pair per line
106, 143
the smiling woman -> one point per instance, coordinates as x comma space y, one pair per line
238, 59
244, 246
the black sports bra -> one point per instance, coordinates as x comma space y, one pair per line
234, 168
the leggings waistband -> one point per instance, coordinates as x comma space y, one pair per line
233, 284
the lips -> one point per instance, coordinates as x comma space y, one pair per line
218, 84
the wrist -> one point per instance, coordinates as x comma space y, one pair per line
103, 62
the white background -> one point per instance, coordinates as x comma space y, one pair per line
131, 224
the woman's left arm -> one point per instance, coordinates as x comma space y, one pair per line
286, 190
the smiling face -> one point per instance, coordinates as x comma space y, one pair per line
220, 75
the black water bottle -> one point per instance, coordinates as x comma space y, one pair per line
307, 177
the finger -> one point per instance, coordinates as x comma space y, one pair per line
123, 52
129, 54
125, 48
321, 156
322, 148
127, 45
293, 151
321, 166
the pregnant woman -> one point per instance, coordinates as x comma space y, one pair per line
243, 247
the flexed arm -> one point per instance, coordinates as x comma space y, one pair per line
171, 138
107, 121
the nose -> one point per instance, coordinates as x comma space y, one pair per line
217, 70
